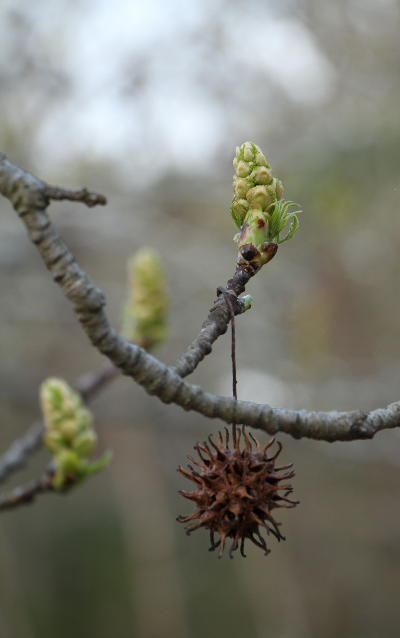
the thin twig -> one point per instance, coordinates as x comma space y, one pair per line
25, 494
20, 450
90, 385
216, 323
80, 195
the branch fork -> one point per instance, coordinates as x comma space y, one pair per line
30, 196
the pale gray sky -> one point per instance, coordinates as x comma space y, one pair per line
92, 42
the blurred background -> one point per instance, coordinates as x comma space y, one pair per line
145, 102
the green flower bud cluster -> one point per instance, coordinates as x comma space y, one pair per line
257, 207
253, 183
144, 319
69, 434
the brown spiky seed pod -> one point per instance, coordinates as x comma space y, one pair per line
236, 490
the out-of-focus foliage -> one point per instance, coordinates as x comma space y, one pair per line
144, 316
146, 102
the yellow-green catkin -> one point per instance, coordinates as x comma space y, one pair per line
258, 209
144, 320
69, 433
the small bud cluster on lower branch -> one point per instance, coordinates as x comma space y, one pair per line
69, 434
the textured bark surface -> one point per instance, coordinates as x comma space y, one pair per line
30, 198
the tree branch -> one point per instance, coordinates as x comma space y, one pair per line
79, 195
216, 323
20, 450
25, 494
29, 197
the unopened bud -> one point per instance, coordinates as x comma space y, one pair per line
260, 159
63, 409
279, 189
261, 175
242, 169
246, 302
84, 444
239, 210
249, 151
241, 186
260, 197
54, 441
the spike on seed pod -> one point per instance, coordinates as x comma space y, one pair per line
236, 489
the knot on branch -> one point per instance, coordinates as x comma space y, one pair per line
359, 428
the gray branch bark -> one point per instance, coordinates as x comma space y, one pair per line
20, 450
25, 494
30, 198
216, 323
